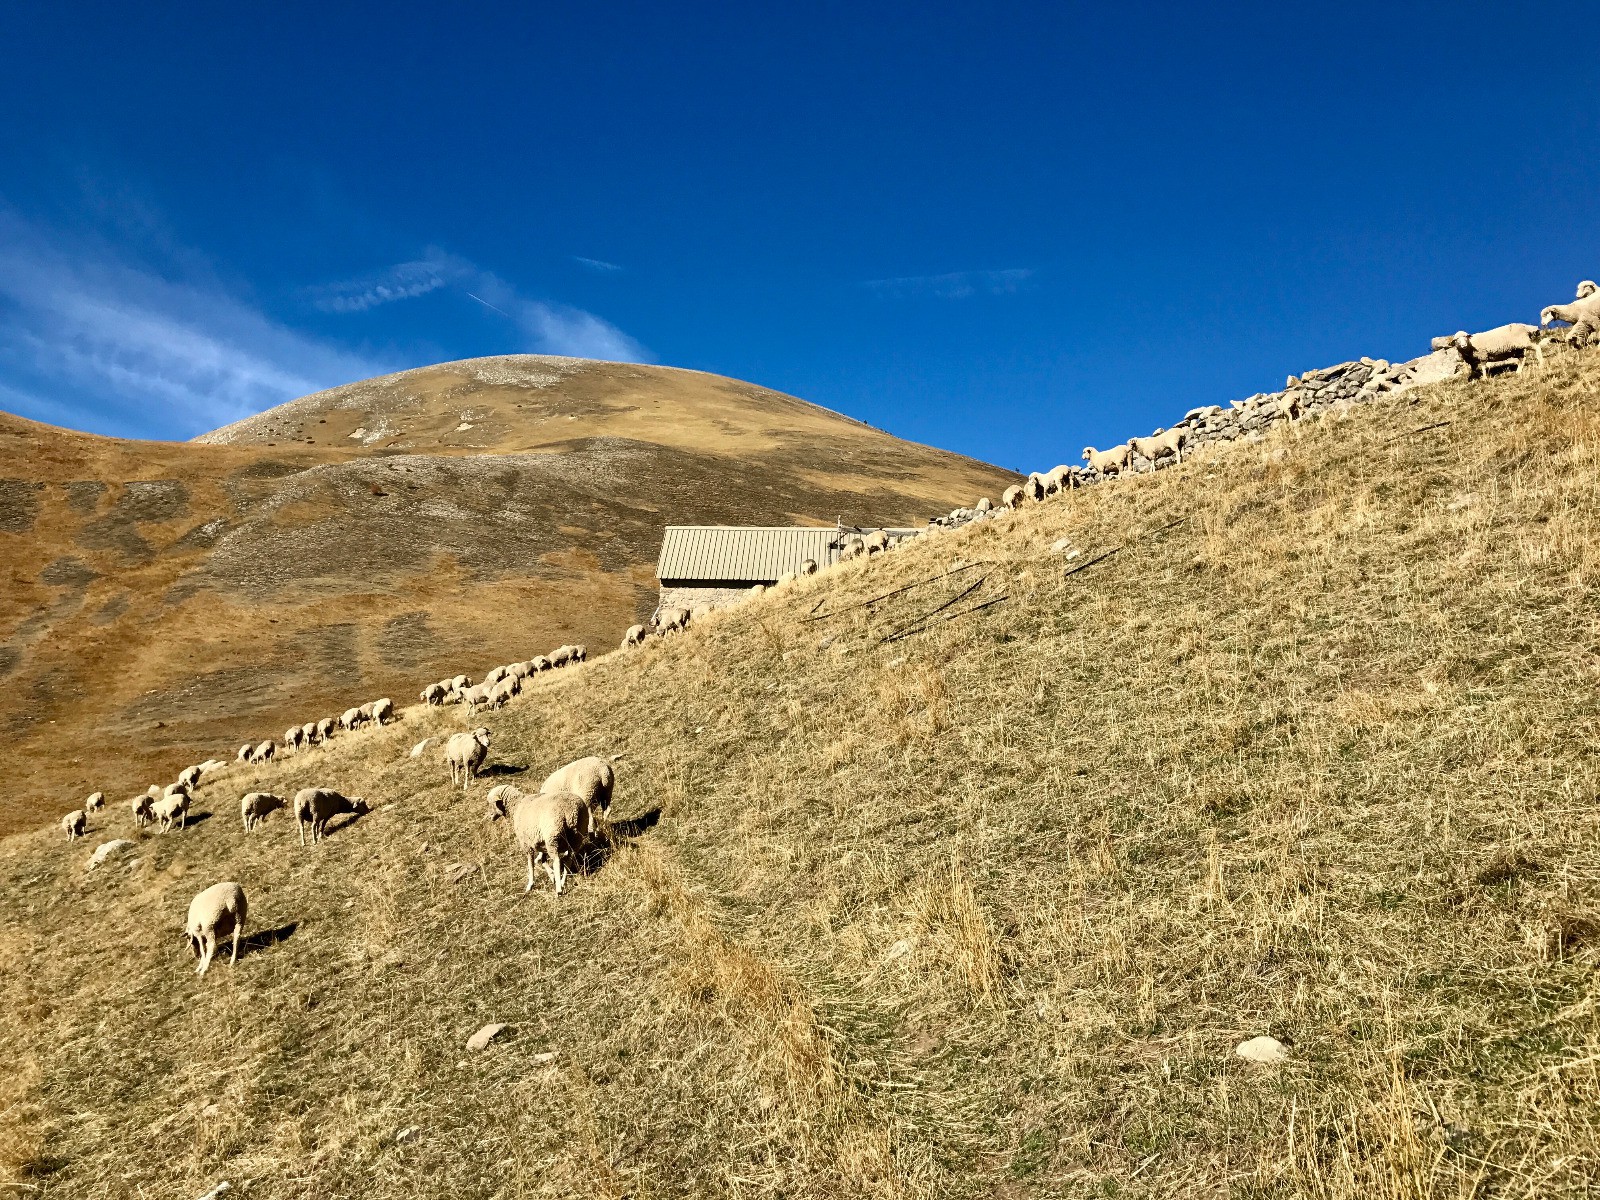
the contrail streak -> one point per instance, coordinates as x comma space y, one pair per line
486, 304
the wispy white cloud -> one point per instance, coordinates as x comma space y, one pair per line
107, 344
954, 285
403, 281
544, 327
596, 264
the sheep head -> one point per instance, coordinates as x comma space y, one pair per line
1088, 453
481, 736
359, 806
1587, 288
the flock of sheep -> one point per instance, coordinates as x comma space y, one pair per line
553, 826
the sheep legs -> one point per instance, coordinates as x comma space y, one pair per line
208, 945
529, 888
238, 926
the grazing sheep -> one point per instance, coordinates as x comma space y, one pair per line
382, 710
634, 637
540, 663
476, 697
672, 620
176, 789
308, 733
1583, 314
1493, 347
495, 676
461, 682
465, 753
142, 810
351, 718
73, 824
877, 542
1107, 462
1160, 444
189, 777
317, 806
519, 670
591, 779
95, 802
263, 752
548, 827
808, 566
1034, 486
255, 806
213, 915
324, 729
854, 547
502, 692
433, 695
293, 738
580, 654
244, 754
171, 808
1012, 496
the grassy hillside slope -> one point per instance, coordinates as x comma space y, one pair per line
979, 911
165, 601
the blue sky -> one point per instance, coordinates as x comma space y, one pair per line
1007, 230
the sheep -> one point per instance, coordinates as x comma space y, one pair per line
73, 824
1493, 347
433, 695
255, 806
351, 718
213, 915
1583, 314
293, 738
784, 580
171, 808
1034, 486
263, 752
142, 814
539, 663
808, 566
580, 654
317, 806
518, 670
591, 779
547, 828
461, 682
244, 753
382, 710
95, 802
308, 733
476, 697
502, 692
1012, 497
1160, 444
496, 675
1107, 462
634, 637
854, 547
465, 752
324, 729
176, 789
877, 542
671, 620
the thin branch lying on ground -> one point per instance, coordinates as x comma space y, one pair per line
895, 637
1425, 429
897, 591
1098, 558
956, 599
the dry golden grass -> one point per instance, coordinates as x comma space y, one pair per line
979, 911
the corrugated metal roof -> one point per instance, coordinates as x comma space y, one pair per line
742, 553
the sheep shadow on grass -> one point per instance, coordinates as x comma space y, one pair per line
499, 769
263, 939
595, 855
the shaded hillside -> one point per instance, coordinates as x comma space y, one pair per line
164, 600
924, 894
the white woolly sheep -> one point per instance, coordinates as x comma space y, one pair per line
808, 566
548, 827
382, 710
263, 752
634, 637
351, 718
1583, 314
244, 753
1160, 444
1107, 462
502, 692
325, 729
591, 779
254, 807
433, 694
73, 824
293, 738
461, 682
465, 753
1012, 496
171, 808
176, 789
1493, 347
495, 676
1034, 486
784, 580
308, 732
671, 620
142, 810
95, 802
317, 806
213, 915
580, 653
476, 697
877, 542
539, 663
189, 777
519, 670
